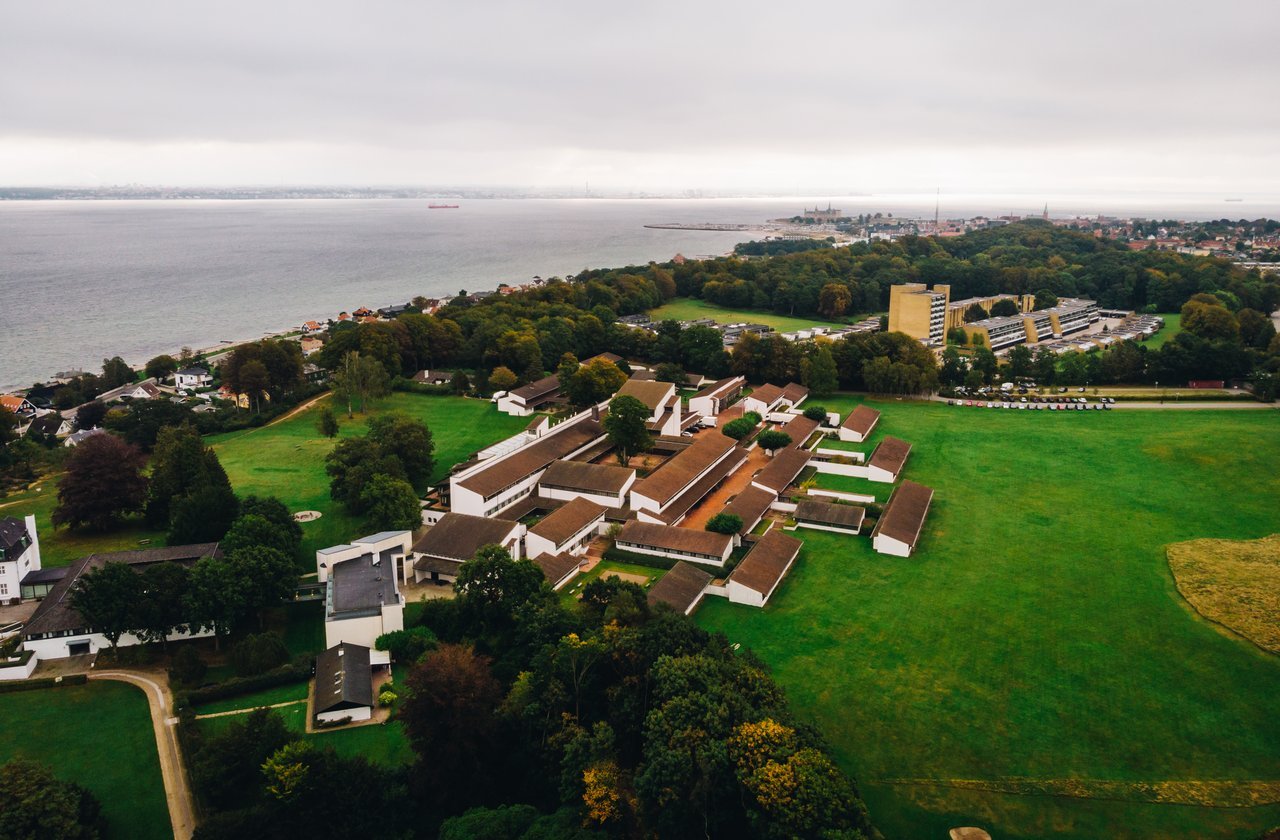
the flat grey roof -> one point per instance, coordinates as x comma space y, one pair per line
363, 583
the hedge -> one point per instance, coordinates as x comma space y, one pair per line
299, 670
42, 682
613, 554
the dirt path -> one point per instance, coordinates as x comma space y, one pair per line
733, 485
253, 709
177, 788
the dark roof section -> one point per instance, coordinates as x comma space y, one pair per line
46, 424
671, 538
861, 420
553, 446
697, 491
799, 428
670, 479
194, 371
55, 612
458, 536
557, 567
589, 478
751, 504
363, 584
767, 562
827, 513
562, 524
794, 392
47, 575
904, 513
536, 390
679, 588
783, 468
14, 539
344, 678
890, 455
767, 394
651, 393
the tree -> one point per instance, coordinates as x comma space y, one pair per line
974, 312
725, 523
772, 440
1045, 366
391, 504
834, 300
36, 805
594, 382
91, 414
327, 422
264, 577
188, 669
823, 379
161, 605
251, 530
161, 366
669, 372
953, 369
985, 363
739, 428
1256, 329
460, 383
1004, 308
449, 716
204, 515
253, 381
258, 653
108, 598
408, 440
406, 646
957, 335
626, 425
181, 466
1204, 316
352, 464
227, 765
103, 483
502, 379
1046, 299
288, 533
359, 379
116, 372
216, 598
492, 586
1020, 361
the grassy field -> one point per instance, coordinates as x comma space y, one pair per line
1033, 669
574, 589
1233, 582
266, 697
1172, 326
286, 459
691, 309
98, 735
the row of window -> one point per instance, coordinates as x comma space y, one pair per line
681, 552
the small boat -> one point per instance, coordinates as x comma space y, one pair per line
442, 207
1233, 199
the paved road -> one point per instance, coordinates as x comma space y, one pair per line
177, 788
1230, 406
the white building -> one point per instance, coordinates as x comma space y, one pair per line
716, 397
670, 491
661, 398
362, 599
888, 459
857, 427
527, 399
343, 688
756, 578
705, 547
566, 530
898, 530
681, 588
455, 539
604, 484
19, 556
192, 377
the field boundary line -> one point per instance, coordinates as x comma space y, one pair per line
250, 709
1211, 793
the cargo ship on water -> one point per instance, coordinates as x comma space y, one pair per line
442, 207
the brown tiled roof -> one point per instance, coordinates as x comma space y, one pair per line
679, 588
55, 612
562, 524
651, 393
751, 504
794, 392
697, 491
904, 513
861, 420
799, 428
827, 513
719, 389
556, 566
440, 565
674, 539
554, 445
591, 478
670, 479
540, 388
783, 468
767, 394
766, 562
890, 455
458, 536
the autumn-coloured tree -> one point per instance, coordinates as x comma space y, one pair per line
103, 484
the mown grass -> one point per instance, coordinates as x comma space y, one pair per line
266, 697
98, 735
380, 743
1037, 632
691, 309
1233, 582
573, 590
1172, 326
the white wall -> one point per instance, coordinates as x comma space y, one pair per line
508, 404
358, 713
19, 672
58, 648
860, 457
888, 545
848, 497
366, 629
817, 527
675, 555
832, 468
608, 501
739, 594
881, 475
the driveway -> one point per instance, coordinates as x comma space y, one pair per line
177, 788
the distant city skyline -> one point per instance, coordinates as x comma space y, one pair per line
663, 98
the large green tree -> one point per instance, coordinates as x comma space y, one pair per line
626, 424
36, 805
102, 485
108, 598
391, 504
407, 439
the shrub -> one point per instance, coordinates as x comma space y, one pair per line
816, 412
614, 554
772, 440
406, 646
293, 673
738, 429
387, 698
725, 523
258, 653
187, 667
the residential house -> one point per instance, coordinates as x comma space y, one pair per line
77, 438
681, 588
19, 556
763, 400
18, 405
57, 629
888, 459
857, 427
661, 398
703, 547
523, 401
147, 389
50, 424
311, 344
455, 539
755, 579
566, 530
716, 397
343, 687
192, 377
898, 530
311, 327
433, 377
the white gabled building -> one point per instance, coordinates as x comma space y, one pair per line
757, 576
604, 484
567, 530
857, 427
526, 399
898, 530
716, 397
455, 539
705, 547
192, 377
661, 398
19, 556
668, 493
362, 589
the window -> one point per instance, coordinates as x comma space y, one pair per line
4, 589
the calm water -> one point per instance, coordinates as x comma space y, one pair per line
80, 281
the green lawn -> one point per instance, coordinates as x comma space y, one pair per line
382, 744
691, 309
573, 590
266, 697
1037, 633
286, 459
1172, 326
98, 735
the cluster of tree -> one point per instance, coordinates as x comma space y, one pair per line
725, 523
609, 716
627, 427
257, 570
591, 383
883, 363
35, 804
774, 247
742, 427
271, 367
375, 475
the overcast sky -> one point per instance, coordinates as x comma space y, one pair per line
729, 96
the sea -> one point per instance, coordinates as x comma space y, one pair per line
81, 281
